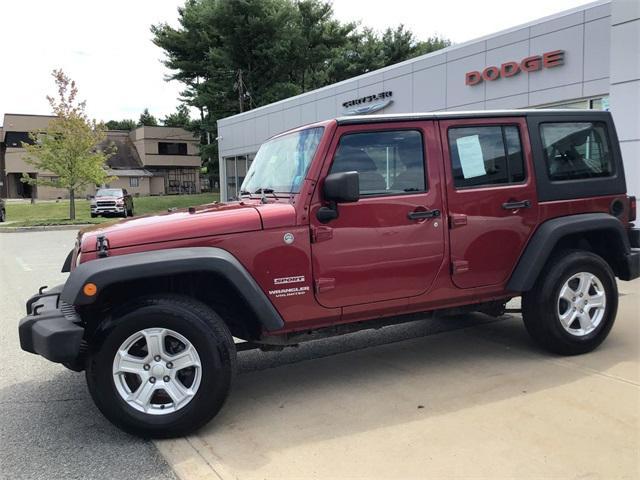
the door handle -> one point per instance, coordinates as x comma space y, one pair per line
513, 205
420, 214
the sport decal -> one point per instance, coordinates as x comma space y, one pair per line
280, 281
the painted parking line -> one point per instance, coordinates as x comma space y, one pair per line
23, 264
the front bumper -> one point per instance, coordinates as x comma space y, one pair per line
51, 328
104, 210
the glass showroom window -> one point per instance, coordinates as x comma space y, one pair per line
236, 169
598, 103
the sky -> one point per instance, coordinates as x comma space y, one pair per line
106, 46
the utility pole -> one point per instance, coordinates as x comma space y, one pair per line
240, 84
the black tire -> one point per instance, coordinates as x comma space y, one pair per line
93, 215
201, 326
2, 216
130, 212
540, 305
124, 213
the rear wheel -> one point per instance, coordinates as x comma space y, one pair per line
2, 215
573, 305
164, 368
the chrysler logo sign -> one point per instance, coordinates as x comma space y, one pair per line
510, 69
369, 104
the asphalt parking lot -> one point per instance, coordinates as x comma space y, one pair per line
49, 427
460, 397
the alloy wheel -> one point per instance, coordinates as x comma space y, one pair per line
157, 371
581, 304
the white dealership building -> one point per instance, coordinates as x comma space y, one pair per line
587, 57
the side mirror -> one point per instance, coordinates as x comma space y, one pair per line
343, 187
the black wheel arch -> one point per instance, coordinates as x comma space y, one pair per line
599, 233
168, 264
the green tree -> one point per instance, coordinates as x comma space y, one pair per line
126, 124
431, 44
147, 120
367, 50
69, 147
235, 55
319, 37
180, 118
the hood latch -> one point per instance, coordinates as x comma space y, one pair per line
102, 246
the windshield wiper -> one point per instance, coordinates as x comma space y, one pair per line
244, 192
265, 191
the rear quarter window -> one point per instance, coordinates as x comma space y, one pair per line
576, 150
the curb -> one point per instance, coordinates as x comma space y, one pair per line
44, 228
188, 461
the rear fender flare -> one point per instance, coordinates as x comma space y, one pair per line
549, 233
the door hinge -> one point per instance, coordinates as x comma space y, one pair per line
457, 220
324, 284
320, 234
459, 266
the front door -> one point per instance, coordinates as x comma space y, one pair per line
491, 197
389, 244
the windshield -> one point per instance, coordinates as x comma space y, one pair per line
109, 192
282, 163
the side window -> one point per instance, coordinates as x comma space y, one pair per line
16, 139
490, 155
172, 148
389, 162
576, 150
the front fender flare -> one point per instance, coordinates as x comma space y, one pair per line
120, 268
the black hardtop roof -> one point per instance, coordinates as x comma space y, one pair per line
407, 117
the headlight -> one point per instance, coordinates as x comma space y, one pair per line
120, 202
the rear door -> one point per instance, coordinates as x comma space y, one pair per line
491, 195
390, 244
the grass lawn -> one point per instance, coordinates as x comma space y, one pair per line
57, 213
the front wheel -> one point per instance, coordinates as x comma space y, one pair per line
573, 305
164, 368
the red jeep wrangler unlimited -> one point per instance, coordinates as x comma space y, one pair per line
343, 225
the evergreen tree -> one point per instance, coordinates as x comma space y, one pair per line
147, 120
180, 118
126, 124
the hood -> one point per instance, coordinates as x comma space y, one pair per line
107, 198
195, 222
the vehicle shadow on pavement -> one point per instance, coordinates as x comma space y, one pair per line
51, 429
290, 402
